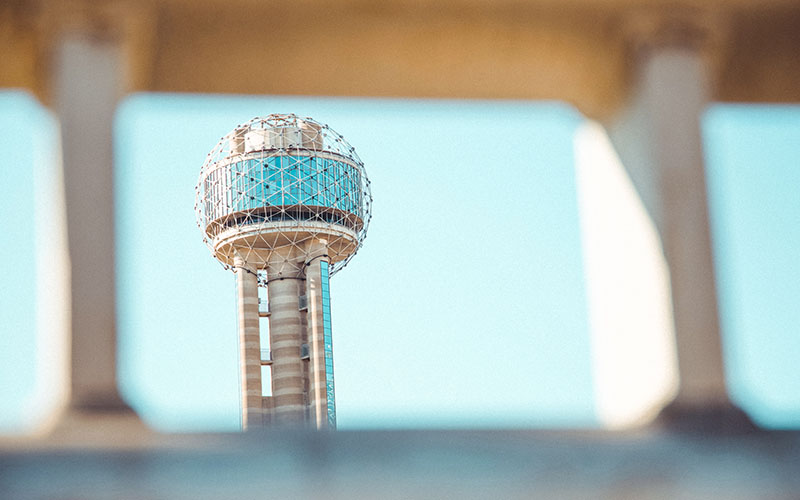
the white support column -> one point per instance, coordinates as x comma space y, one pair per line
249, 345
87, 85
659, 140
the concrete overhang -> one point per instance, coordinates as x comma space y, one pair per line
577, 51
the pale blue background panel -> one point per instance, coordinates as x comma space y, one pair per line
21, 120
753, 163
30, 205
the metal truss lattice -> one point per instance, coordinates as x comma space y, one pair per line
276, 186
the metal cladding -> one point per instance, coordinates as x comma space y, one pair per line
279, 182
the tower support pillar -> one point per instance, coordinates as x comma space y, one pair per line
249, 345
316, 342
286, 337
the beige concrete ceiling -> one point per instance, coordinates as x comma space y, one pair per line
571, 50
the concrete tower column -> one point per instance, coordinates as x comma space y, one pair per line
659, 140
307, 416
285, 327
249, 345
318, 400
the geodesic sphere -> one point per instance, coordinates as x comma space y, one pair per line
274, 185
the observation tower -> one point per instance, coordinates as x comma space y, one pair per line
284, 202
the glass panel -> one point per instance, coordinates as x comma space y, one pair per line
266, 380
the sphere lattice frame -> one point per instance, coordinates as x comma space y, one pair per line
276, 184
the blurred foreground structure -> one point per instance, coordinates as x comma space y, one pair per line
645, 70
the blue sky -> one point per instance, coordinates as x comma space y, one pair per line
467, 304
754, 174
468, 215
20, 114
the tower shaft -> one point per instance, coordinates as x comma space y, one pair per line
321, 363
249, 346
286, 339
301, 356
318, 318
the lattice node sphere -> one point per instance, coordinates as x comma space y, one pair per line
275, 185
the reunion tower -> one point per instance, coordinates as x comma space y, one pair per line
284, 202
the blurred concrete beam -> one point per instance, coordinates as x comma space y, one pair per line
572, 50
416, 464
